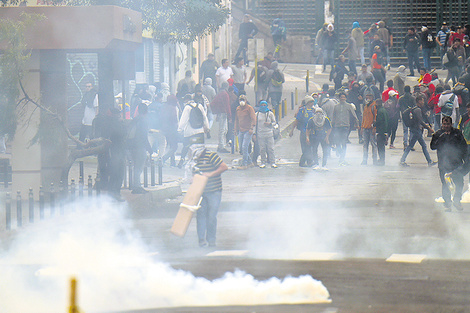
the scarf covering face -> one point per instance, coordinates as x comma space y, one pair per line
319, 118
263, 109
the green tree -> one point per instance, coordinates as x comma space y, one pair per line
171, 20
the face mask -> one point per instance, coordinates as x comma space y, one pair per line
242, 103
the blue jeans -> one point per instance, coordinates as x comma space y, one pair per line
427, 58
244, 140
328, 58
416, 135
368, 135
341, 139
207, 216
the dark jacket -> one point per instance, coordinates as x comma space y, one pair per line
247, 29
428, 41
411, 43
451, 149
406, 101
329, 42
381, 121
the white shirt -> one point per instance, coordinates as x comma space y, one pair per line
90, 113
184, 125
223, 74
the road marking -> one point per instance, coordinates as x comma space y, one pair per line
317, 256
228, 253
406, 258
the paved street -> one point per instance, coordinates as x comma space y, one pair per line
374, 236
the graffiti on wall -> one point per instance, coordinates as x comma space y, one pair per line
83, 69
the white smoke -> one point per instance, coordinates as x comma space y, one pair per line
115, 272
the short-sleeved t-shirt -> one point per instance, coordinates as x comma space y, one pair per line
302, 117
209, 162
319, 132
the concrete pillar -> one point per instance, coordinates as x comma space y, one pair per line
54, 141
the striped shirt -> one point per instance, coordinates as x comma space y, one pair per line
209, 162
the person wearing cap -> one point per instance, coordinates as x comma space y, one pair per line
246, 31
208, 69
329, 43
301, 120
428, 42
441, 39
358, 35
318, 133
265, 123
393, 112
411, 45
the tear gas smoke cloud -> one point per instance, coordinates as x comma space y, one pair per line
99, 246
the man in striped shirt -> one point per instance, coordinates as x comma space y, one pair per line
211, 165
441, 39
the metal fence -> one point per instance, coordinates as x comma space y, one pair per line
53, 199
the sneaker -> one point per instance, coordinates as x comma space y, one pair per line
273, 165
203, 243
262, 166
458, 206
364, 163
316, 167
392, 147
324, 168
432, 163
404, 164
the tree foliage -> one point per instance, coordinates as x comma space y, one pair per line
171, 20
12, 66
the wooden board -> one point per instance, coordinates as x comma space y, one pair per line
189, 206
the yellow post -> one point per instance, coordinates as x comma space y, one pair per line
73, 296
307, 82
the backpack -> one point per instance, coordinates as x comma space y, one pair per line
448, 107
196, 119
276, 78
408, 117
261, 75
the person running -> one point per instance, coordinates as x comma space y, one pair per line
416, 130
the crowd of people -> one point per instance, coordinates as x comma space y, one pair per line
157, 120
